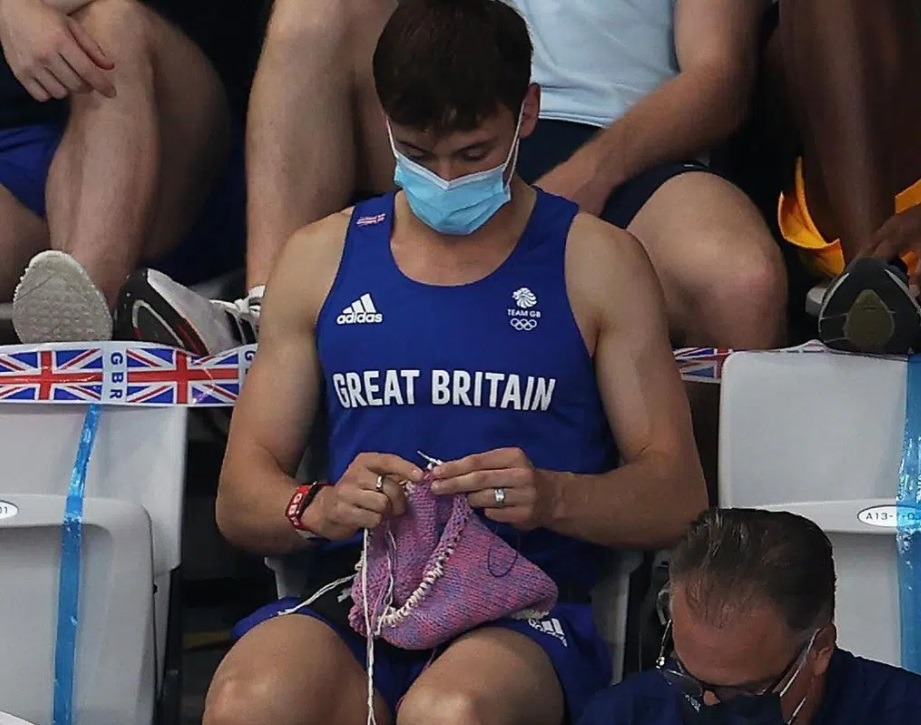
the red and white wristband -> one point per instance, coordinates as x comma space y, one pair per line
302, 498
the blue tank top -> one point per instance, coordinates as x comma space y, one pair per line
464, 369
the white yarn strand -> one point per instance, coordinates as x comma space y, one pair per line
316, 595
369, 636
385, 605
382, 605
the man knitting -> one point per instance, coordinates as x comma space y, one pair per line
491, 326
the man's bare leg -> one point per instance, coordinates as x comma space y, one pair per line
157, 153
316, 132
721, 270
847, 73
103, 180
723, 277
131, 171
491, 676
316, 135
291, 670
850, 75
22, 235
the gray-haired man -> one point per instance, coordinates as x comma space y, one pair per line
752, 637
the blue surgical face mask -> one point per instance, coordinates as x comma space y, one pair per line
461, 206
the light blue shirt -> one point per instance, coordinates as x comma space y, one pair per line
594, 59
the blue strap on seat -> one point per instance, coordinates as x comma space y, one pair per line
908, 535
69, 584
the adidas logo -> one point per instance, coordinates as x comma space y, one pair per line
550, 626
361, 312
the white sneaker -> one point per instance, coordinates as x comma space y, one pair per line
56, 301
154, 308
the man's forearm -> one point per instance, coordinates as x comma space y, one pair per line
643, 505
251, 505
680, 120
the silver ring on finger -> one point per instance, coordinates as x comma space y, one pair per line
379, 485
499, 493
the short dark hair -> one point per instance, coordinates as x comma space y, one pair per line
446, 65
732, 559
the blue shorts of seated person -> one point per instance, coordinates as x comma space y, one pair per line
553, 142
568, 636
213, 246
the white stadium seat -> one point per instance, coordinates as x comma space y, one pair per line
820, 434
131, 544
6, 719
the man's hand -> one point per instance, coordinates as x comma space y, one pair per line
50, 53
356, 502
578, 179
901, 233
529, 492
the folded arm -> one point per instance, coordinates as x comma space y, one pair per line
716, 44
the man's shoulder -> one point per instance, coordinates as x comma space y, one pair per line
858, 685
332, 229
324, 236
309, 263
643, 699
594, 240
605, 261
588, 225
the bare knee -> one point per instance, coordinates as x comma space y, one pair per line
253, 698
312, 25
293, 26
761, 281
238, 700
746, 300
124, 28
253, 687
125, 31
425, 705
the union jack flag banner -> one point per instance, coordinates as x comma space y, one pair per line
71, 375
116, 373
702, 364
705, 364
120, 373
166, 376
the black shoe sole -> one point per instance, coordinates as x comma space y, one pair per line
143, 315
869, 309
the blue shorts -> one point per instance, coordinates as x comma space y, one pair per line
568, 636
214, 245
553, 142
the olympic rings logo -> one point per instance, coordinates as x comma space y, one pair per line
521, 324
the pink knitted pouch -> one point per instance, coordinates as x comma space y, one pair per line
427, 586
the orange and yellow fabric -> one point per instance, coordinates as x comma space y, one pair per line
821, 257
